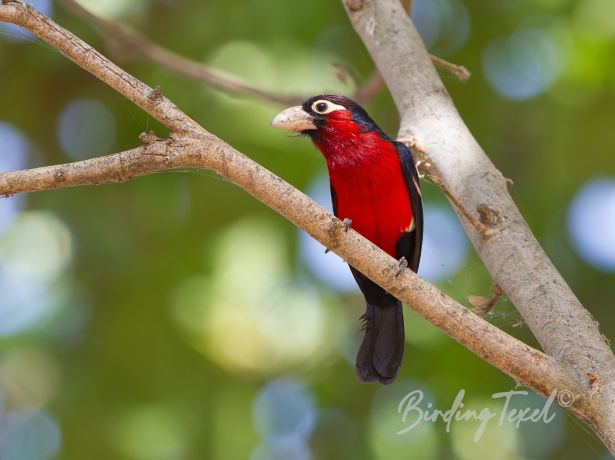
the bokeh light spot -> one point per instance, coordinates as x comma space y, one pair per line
283, 449
284, 409
16, 33
34, 253
86, 128
444, 25
445, 244
591, 223
153, 432
29, 435
251, 314
28, 378
539, 439
523, 65
328, 268
247, 60
497, 441
386, 424
111, 9
15, 147
595, 19
428, 20
38, 247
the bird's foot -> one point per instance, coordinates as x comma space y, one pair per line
327, 250
402, 265
346, 224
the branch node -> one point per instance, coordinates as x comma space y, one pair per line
149, 138
156, 94
355, 5
59, 174
483, 305
156, 146
519, 323
422, 163
402, 265
346, 224
593, 378
488, 216
457, 70
480, 227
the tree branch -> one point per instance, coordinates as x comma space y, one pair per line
153, 156
462, 73
512, 255
173, 61
374, 84
191, 146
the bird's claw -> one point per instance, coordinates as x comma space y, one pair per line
327, 250
402, 265
346, 224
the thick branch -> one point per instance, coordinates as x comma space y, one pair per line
514, 258
374, 84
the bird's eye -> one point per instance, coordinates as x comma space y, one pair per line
321, 107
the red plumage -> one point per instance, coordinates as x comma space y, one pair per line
366, 174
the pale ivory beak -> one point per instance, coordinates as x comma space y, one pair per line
294, 119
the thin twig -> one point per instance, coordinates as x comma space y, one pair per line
175, 62
482, 305
477, 224
462, 73
427, 169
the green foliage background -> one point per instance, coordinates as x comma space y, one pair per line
154, 346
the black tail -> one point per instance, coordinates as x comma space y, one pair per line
382, 349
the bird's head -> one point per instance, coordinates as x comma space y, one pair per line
326, 116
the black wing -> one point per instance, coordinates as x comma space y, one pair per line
333, 200
409, 246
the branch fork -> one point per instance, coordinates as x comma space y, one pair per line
574, 353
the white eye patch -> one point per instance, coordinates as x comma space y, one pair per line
323, 107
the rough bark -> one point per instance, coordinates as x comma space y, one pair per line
516, 261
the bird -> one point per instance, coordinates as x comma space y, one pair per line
375, 190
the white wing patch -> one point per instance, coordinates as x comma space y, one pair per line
417, 187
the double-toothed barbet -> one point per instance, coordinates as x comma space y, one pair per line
374, 184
